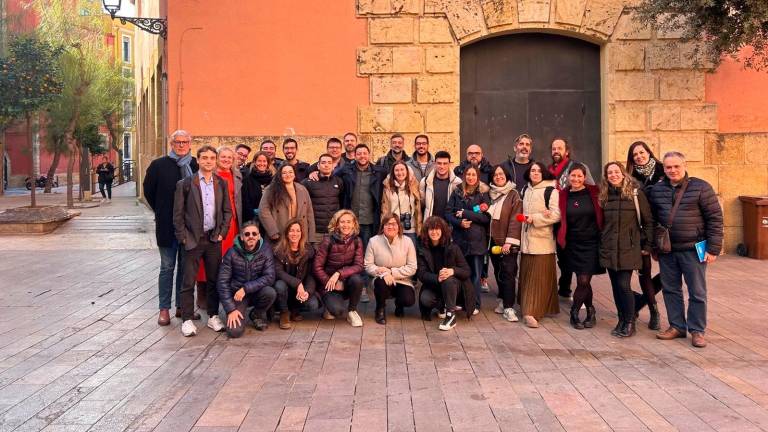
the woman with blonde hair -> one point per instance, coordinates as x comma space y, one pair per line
627, 233
339, 268
294, 282
402, 198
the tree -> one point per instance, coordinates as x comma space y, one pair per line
29, 80
728, 27
111, 92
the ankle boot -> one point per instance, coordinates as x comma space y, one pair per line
575, 322
285, 320
654, 322
590, 320
628, 329
615, 331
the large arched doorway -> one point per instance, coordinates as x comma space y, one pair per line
543, 84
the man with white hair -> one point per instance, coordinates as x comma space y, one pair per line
159, 187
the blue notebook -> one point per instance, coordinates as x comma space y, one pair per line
701, 250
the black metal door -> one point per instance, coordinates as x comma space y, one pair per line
544, 85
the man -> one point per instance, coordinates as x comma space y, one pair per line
475, 158
561, 169
159, 189
246, 278
201, 216
438, 185
301, 169
421, 162
395, 153
517, 166
268, 146
326, 194
698, 218
350, 142
363, 183
333, 148
242, 151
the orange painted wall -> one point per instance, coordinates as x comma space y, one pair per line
741, 97
260, 67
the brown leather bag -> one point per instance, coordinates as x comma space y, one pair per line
661, 239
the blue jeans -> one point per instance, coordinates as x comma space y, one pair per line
476, 266
170, 258
674, 267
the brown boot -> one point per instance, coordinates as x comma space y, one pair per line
285, 320
697, 340
202, 297
670, 333
296, 316
164, 318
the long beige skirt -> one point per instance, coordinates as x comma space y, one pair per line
538, 285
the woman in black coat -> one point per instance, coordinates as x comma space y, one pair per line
627, 233
295, 284
466, 212
255, 180
444, 274
647, 170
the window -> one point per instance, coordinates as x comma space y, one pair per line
126, 49
127, 114
126, 146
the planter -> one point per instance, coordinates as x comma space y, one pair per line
39, 220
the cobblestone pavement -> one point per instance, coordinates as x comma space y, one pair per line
80, 350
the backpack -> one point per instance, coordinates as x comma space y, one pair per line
547, 194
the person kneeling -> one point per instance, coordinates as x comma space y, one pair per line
295, 284
391, 259
246, 277
443, 272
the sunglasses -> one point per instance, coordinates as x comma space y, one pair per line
250, 234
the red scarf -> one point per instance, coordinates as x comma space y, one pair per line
557, 169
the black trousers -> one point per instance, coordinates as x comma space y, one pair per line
334, 300
403, 294
650, 285
260, 300
286, 296
109, 190
210, 253
505, 272
446, 295
622, 292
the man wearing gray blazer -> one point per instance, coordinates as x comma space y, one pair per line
201, 217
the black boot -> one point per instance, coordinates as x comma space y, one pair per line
640, 302
590, 320
381, 317
654, 322
615, 331
575, 322
628, 329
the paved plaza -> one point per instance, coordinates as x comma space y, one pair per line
80, 350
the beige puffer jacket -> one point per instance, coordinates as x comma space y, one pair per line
537, 238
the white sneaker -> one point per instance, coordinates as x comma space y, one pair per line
215, 324
499, 307
354, 319
476, 311
188, 328
484, 286
448, 322
510, 315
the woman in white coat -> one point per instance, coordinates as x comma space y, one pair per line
538, 269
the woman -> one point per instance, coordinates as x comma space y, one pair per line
538, 266
257, 177
283, 200
581, 221
647, 170
627, 229
444, 274
401, 197
294, 283
466, 212
338, 267
225, 163
106, 172
390, 259
505, 238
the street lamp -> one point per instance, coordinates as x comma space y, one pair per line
158, 26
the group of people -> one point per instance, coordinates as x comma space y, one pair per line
280, 237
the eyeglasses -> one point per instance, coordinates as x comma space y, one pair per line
250, 234
181, 142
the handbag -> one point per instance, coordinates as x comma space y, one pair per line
661, 239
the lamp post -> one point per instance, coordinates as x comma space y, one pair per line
158, 26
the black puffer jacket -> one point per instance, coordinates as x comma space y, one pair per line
239, 269
254, 183
427, 273
648, 181
472, 240
698, 218
485, 168
326, 194
622, 241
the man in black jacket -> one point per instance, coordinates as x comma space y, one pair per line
201, 216
246, 278
516, 166
326, 194
396, 153
475, 158
300, 169
698, 218
159, 187
363, 185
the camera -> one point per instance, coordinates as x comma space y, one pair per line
405, 218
